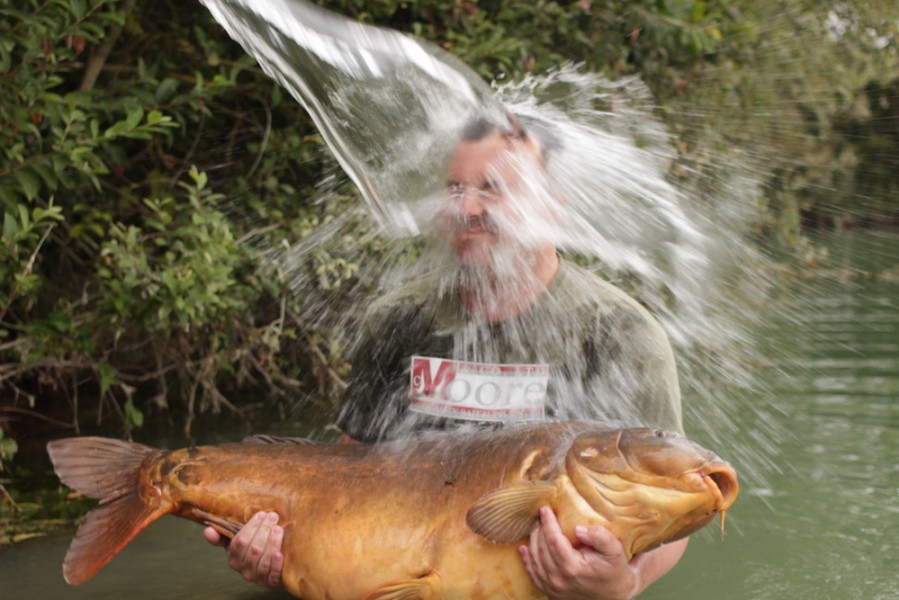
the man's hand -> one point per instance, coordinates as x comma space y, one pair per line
255, 552
597, 569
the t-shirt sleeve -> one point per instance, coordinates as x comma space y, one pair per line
657, 397
631, 375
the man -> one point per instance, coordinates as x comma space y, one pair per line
505, 331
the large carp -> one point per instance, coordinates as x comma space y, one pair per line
436, 517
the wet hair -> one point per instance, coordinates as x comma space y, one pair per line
477, 129
522, 127
543, 132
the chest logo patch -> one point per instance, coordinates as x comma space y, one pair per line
478, 391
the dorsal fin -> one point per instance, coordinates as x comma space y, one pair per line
279, 439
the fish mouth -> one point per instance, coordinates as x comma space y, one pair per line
721, 482
711, 489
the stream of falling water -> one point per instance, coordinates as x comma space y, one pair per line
392, 109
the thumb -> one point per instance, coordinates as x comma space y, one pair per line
599, 538
214, 537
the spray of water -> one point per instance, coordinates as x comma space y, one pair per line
680, 250
392, 111
388, 106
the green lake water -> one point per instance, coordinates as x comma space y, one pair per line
821, 521
825, 523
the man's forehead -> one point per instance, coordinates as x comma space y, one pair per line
473, 157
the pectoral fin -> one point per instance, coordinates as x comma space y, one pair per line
507, 514
408, 589
225, 526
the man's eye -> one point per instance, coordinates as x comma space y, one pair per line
455, 189
489, 189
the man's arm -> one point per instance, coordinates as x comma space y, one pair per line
596, 570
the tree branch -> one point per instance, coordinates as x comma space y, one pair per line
98, 58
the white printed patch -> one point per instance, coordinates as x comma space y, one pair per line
478, 391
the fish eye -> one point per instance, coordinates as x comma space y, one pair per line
660, 433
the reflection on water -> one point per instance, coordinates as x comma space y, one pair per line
822, 527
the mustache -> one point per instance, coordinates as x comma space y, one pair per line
476, 223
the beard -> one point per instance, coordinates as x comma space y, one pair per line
493, 257
490, 275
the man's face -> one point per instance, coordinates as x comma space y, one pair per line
487, 196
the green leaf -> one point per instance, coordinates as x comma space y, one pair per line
29, 182
698, 11
45, 171
115, 129
8, 196
10, 227
8, 448
107, 377
135, 116
134, 418
24, 217
77, 7
164, 91
51, 212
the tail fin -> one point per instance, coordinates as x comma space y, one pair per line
108, 470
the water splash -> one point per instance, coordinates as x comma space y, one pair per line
392, 108
387, 105
612, 173
675, 244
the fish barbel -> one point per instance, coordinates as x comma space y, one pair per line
435, 517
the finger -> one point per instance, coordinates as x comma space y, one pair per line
541, 557
269, 568
528, 562
213, 537
258, 555
274, 576
600, 540
540, 574
556, 544
240, 545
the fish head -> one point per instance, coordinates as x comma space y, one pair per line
649, 485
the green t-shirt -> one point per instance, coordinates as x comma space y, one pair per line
608, 359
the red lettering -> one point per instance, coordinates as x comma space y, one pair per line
482, 391
426, 384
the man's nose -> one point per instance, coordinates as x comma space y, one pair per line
471, 203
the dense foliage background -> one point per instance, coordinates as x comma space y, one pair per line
147, 165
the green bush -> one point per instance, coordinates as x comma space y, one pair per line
119, 260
